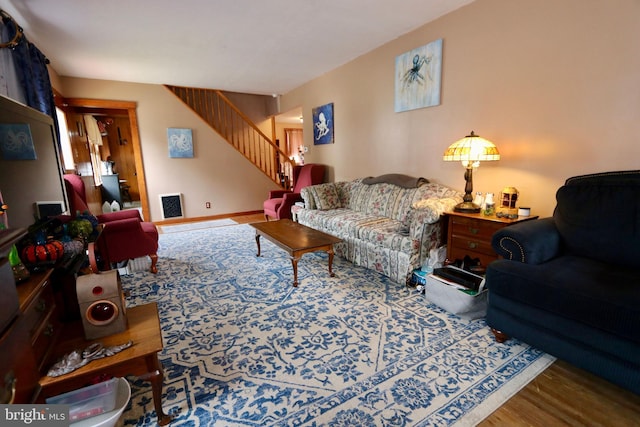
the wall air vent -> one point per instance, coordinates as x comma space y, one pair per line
171, 205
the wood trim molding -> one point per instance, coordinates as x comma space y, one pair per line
100, 103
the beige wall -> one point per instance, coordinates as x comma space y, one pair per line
555, 84
217, 173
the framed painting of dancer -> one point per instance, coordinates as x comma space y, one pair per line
323, 124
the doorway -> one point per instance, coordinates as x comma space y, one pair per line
120, 152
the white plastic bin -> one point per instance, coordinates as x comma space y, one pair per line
95, 400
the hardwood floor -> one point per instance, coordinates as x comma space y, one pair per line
562, 395
246, 219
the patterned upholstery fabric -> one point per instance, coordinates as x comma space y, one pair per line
383, 227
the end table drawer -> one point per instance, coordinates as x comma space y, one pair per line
44, 340
471, 244
479, 229
40, 308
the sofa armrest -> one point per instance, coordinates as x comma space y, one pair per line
429, 211
307, 197
530, 242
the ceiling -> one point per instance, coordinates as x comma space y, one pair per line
249, 46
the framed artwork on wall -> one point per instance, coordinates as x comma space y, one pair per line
16, 142
323, 124
180, 143
417, 77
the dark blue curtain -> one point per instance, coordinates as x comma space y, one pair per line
33, 75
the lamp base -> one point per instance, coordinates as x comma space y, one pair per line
466, 207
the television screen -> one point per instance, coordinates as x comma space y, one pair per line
49, 209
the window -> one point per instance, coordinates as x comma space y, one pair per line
293, 143
65, 142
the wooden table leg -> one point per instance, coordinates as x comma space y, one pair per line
155, 377
330, 252
294, 262
258, 243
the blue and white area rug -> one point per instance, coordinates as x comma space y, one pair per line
189, 226
245, 348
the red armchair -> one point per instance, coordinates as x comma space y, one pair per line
279, 203
124, 236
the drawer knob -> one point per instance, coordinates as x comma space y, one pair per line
473, 245
48, 331
474, 230
8, 395
42, 306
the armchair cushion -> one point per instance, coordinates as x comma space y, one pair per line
601, 221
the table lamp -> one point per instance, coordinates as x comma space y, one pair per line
470, 150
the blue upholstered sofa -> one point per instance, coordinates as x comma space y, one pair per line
570, 284
388, 223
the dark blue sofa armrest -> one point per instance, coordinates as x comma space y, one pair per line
531, 242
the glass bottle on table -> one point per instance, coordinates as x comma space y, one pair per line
489, 205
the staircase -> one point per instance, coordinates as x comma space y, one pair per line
239, 131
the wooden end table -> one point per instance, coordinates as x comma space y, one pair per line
470, 234
141, 359
296, 239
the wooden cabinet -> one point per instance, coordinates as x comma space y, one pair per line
18, 373
26, 346
470, 234
40, 315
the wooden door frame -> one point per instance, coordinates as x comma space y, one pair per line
130, 107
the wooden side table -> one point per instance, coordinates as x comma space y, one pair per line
141, 359
470, 234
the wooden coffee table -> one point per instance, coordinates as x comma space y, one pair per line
140, 359
296, 239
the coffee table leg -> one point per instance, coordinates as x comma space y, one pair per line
294, 262
258, 243
155, 377
330, 252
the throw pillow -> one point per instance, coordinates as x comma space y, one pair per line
325, 196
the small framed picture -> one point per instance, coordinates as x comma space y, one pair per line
16, 142
180, 143
323, 124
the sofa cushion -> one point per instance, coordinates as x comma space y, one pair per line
389, 233
587, 291
349, 224
600, 221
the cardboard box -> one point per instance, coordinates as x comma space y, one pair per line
455, 298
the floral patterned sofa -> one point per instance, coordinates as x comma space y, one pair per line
384, 227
